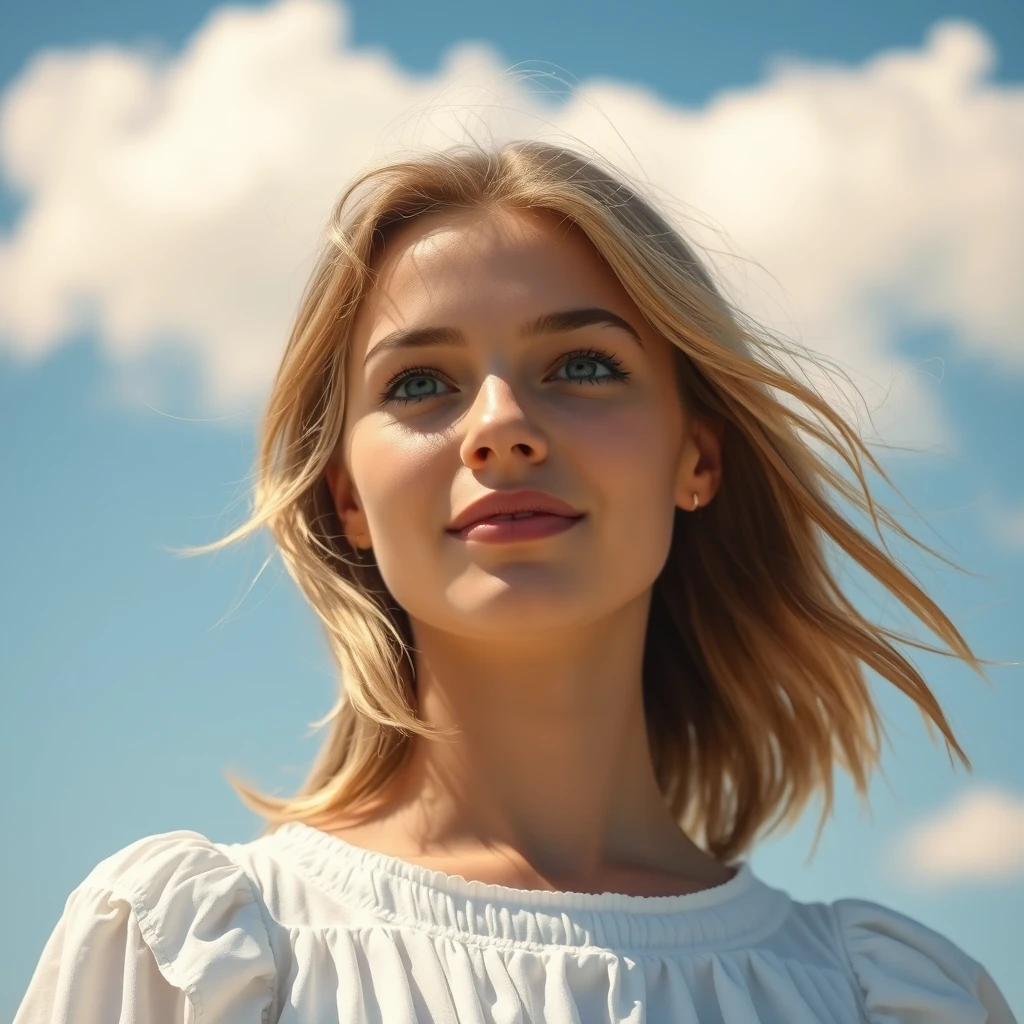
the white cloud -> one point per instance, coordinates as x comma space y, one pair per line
1008, 526
178, 200
979, 837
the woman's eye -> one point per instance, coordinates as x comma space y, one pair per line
417, 385
585, 367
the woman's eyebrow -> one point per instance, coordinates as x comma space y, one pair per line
555, 323
549, 323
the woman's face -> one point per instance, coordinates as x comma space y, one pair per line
590, 415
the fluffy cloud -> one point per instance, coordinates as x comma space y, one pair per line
980, 837
174, 203
1008, 526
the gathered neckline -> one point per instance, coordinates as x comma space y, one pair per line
412, 894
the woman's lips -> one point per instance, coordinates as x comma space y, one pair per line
496, 530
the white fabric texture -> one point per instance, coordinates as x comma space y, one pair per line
300, 926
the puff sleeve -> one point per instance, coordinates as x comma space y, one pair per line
167, 930
910, 974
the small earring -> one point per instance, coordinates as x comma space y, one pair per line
696, 501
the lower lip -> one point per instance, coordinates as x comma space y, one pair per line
501, 531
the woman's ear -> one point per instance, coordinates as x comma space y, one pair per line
700, 465
347, 505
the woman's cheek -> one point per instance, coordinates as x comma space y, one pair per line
632, 443
403, 491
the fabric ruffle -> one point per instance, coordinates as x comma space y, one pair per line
908, 972
168, 929
407, 894
299, 927
403, 977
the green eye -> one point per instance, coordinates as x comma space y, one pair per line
614, 375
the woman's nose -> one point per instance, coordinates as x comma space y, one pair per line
499, 425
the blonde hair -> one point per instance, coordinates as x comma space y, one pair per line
753, 671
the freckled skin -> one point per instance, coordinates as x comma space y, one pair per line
532, 649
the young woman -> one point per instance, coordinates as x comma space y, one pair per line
568, 521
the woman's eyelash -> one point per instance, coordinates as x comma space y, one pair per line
616, 374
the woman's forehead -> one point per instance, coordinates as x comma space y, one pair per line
436, 237
507, 255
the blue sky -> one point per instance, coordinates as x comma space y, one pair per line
164, 170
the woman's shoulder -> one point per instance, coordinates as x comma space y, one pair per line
159, 862
170, 917
906, 970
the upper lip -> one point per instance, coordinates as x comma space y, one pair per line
499, 503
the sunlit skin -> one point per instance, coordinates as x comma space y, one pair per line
532, 649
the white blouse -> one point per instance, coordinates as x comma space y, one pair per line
300, 926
